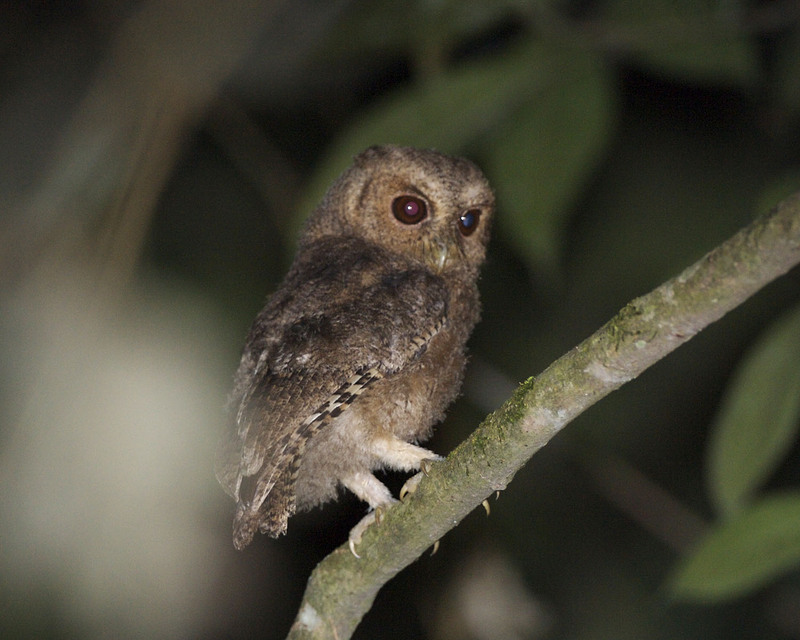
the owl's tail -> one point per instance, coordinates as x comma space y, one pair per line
245, 524
270, 518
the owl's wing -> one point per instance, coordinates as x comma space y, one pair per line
369, 322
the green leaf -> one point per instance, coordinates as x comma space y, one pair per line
741, 555
786, 82
411, 26
759, 417
687, 39
446, 112
721, 62
778, 187
540, 157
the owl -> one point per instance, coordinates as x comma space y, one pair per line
358, 353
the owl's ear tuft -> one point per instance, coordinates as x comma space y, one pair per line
370, 153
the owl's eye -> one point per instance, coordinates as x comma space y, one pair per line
409, 209
468, 221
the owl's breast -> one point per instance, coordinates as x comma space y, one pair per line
409, 403
405, 404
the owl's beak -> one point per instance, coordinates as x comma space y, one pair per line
436, 253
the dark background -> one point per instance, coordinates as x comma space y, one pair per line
156, 163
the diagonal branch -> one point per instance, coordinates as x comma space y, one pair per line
342, 588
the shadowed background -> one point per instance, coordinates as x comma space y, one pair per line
156, 163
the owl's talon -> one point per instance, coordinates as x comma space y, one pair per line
424, 469
352, 544
354, 539
374, 516
410, 486
425, 465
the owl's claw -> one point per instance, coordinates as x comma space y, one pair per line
425, 465
354, 539
411, 484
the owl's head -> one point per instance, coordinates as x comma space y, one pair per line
422, 204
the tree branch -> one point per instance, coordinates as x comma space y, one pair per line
342, 588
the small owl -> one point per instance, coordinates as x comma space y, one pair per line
356, 356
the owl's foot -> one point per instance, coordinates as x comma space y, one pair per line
354, 539
372, 491
400, 455
413, 482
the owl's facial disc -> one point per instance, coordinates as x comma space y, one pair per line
437, 220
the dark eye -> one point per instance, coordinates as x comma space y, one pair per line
468, 221
409, 209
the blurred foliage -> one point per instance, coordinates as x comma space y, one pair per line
158, 162
749, 551
758, 538
759, 417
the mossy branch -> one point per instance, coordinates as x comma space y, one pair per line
342, 588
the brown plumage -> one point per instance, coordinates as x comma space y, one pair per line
361, 349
